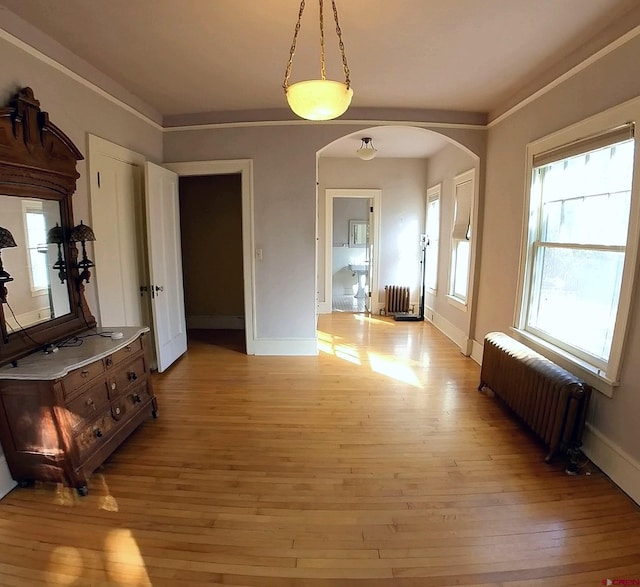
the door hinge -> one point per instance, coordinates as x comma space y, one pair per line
370, 208
98, 179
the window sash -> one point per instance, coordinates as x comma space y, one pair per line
432, 230
460, 273
596, 315
532, 241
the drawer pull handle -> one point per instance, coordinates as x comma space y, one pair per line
117, 410
136, 398
98, 433
113, 385
84, 374
132, 376
127, 348
109, 361
91, 403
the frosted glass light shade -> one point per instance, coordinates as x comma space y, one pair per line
319, 99
367, 153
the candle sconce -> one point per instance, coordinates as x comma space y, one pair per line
83, 234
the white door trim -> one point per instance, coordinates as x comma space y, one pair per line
330, 195
245, 168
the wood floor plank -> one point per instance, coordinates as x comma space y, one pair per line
376, 463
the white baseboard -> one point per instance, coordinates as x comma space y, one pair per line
619, 466
450, 331
215, 322
296, 347
477, 351
324, 307
6, 482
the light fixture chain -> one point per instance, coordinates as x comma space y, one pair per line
323, 71
341, 44
287, 73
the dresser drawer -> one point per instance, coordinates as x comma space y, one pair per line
94, 434
81, 376
126, 352
137, 396
88, 404
126, 376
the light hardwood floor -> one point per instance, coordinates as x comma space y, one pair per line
375, 464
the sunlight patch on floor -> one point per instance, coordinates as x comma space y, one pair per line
391, 367
348, 353
388, 365
371, 320
125, 565
65, 566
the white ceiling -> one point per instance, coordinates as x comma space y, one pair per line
201, 56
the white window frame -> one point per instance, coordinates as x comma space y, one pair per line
33, 207
607, 378
433, 240
468, 177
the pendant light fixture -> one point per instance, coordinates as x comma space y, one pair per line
318, 99
367, 151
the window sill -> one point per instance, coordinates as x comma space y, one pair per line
457, 303
582, 369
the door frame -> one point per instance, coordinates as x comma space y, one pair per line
245, 168
374, 233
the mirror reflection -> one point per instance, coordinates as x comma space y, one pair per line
358, 233
38, 291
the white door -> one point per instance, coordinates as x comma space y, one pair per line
118, 221
165, 264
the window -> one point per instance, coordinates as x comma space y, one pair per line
464, 186
432, 230
36, 245
579, 210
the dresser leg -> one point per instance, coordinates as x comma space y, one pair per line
25, 483
82, 491
154, 407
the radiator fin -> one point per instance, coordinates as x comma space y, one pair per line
396, 299
551, 401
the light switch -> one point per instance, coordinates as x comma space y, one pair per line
259, 254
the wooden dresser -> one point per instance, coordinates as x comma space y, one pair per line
62, 414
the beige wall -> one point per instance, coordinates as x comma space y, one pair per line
211, 229
442, 168
284, 208
608, 82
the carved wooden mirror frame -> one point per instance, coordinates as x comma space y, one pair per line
37, 160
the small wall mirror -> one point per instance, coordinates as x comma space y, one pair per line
358, 233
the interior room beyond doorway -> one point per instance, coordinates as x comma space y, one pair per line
211, 232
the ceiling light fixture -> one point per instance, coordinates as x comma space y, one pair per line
367, 151
318, 99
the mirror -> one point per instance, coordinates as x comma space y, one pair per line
358, 233
37, 292
45, 300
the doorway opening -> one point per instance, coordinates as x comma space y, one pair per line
211, 231
351, 255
